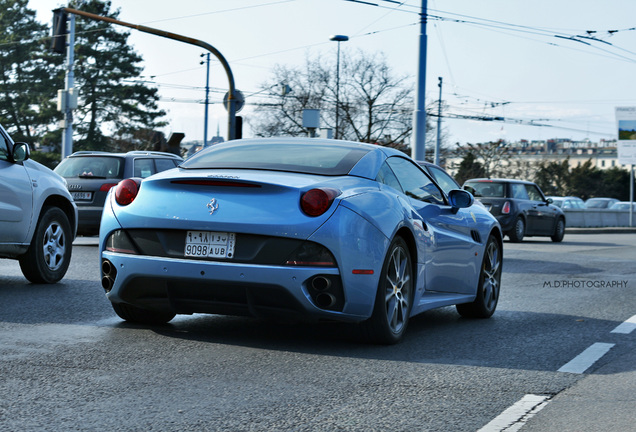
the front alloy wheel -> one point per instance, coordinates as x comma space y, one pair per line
489, 284
49, 254
394, 296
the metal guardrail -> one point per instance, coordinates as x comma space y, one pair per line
594, 218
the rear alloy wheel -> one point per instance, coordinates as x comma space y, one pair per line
489, 284
394, 296
518, 230
141, 316
559, 231
49, 255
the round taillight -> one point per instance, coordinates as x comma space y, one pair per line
315, 202
126, 191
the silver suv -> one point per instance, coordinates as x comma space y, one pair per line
38, 218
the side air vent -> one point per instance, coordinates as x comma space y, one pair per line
475, 235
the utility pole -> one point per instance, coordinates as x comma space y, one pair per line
69, 82
338, 38
63, 41
418, 145
207, 100
439, 122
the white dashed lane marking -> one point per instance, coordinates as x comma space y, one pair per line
513, 418
587, 358
626, 327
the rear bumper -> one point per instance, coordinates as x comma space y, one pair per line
187, 286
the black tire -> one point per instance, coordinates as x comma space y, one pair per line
489, 283
559, 231
49, 255
518, 230
394, 297
141, 316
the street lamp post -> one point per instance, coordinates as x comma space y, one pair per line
338, 38
207, 101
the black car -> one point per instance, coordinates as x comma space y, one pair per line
520, 207
91, 174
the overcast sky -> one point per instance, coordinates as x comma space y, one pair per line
564, 64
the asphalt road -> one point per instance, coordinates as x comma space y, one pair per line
68, 363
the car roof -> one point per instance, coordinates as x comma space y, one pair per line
127, 154
499, 180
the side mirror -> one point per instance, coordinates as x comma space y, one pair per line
549, 200
21, 152
460, 198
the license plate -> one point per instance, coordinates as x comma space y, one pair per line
209, 244
82, 196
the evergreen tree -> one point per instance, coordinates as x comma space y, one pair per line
554, 177
585, 181
106, 68
615, 184
469, 168
29, 74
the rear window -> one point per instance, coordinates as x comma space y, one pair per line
486, 189
305, 158
91, 167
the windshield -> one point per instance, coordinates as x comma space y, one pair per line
486, 189
91, 167
305, 158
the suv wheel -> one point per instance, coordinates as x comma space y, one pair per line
49, 254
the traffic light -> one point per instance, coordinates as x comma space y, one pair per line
58, 32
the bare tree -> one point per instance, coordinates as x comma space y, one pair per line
375, 106
493, 156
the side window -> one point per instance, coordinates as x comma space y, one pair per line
414, 182
386, 176
443, 179
519, 191
533, 193
165, 164
4, 148
143, 168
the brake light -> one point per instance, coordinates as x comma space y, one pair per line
107, 186
315, 202
506, 208
126, 191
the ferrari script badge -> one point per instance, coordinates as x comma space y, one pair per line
213, 205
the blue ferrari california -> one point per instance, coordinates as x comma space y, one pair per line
305, 228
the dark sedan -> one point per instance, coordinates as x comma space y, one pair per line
520, 207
